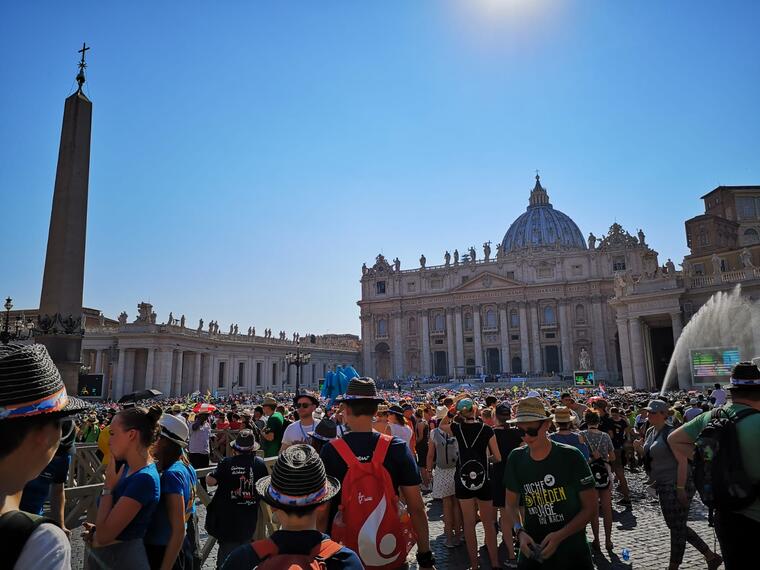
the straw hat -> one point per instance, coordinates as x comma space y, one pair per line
529, 410
360, 389
562, 415
440, 412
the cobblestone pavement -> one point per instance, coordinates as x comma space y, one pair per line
641, 530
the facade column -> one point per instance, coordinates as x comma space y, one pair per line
207, 380
506, 359
535, 338
177, 384
682, 360
197, 372
426, 367
118, 385
637, 354
625, 352
231, 374
165, 371
564, 335
98, 362
150, 366
476, 339
460, 342
524, 346
599, 351
398, 347
367, 346
450, 353
129, 372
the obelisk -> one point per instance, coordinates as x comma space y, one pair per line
60, 326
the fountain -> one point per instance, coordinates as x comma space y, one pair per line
727, 319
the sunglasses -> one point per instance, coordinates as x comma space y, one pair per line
532, 432
304, 405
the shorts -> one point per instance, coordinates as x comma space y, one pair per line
619, 459
484, 493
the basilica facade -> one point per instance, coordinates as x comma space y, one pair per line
539, 306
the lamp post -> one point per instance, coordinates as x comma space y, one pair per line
299, 359
22, 329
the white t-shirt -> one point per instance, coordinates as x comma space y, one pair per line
48, 548
402, 432
298, 433
720, 397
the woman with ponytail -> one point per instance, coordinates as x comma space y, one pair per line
130, 495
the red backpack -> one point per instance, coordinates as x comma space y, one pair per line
370, 521
271, 559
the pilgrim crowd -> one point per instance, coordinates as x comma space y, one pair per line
345, 477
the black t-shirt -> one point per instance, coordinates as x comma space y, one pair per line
293, 542
235, 505
605, 423
507, 440
617, 432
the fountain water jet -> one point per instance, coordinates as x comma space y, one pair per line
726, 319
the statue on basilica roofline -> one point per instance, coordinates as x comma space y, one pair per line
200, 326
182, 321
236, 330
253, 331
591, 241
487, 250
473, 254
364, 268
123, 318
397, 264
101, 319
153, 317
171, 319
423, 261
231, 329
447, 258
746, 258
499, 251
642, 241
456, 257
670, 267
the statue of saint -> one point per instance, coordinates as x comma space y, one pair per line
102, 318
253, 331
591, 241
670, 266
456, 257
200, 326
640, 233
182, 321
447, 258
153, 317
397, 264
473, 254
231, 329
235, 330
746, 258
171, 319
499, 251
123, 318
717, 264
423, 261
487, 250
584, 359
364, 268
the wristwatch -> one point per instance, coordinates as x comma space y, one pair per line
106, 492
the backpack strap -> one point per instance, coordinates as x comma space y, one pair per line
326, 549
381, 450
345, 452
741, 414
265, 548
16, 527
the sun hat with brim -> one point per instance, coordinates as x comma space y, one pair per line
529, 410
174, 429
244, 441
503, 410
298, 480
396, 411
176, 408
657, 406
440, 412
30, 384
562, 415
360, 389
745, 375
269, 401
310, 395
325, 430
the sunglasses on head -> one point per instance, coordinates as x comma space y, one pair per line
532, 432
304, 405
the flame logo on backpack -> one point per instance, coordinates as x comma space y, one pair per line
370, 549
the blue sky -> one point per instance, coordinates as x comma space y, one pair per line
249, 156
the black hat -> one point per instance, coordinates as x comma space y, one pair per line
298, 480
360, 389
396, 410
504, 410
325, 430
304, 394
745, 375
30, 384
245, 441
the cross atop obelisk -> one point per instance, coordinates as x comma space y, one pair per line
82, 66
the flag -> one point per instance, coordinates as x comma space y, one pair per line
602, 391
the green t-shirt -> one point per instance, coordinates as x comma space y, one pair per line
550, 492
749, 434
275, 424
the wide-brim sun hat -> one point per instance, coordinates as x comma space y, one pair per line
562, 415
325, 430
363, 388
298, 480
529, 410
304, 394
396, 411
245, 441
174, 429
657, 406
31, 385
440, 412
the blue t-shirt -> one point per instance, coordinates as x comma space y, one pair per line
38, 489
144, 486
179, 479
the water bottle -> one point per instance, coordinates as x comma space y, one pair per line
626, 555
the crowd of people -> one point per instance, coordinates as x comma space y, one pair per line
347, 476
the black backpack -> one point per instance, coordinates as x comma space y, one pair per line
719, 474
16, 527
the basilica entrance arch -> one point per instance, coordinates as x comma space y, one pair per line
383, 361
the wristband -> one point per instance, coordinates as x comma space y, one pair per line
680, 487
426, 559
106, 492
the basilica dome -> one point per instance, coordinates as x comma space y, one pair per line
542, 226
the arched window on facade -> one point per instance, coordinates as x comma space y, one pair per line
514, 319
490, 319
412, 326
751, 236
580, 313
382, 328
439, 323
516, 365
468, 321
549, 318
